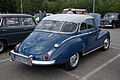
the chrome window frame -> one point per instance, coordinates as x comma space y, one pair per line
21, 20
1, 21
60, 29
87, 26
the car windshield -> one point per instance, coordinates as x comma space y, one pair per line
56, 26
111, 15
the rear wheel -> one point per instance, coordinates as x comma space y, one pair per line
73, 62
106, 44
2, 46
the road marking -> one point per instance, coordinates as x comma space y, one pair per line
115, 48
70, 74
99, 68
4, 60
116, 44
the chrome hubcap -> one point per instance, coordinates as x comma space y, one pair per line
1, 46
106, 43
74, 60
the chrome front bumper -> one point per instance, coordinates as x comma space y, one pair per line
31, 61
109, 25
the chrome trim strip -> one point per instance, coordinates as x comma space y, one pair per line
1, 21
105, 25
76, 36
34, 61
92, 50
108, 25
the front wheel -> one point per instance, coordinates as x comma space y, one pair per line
73, 62
106, 44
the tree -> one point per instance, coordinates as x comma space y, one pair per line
54, 6
7, 6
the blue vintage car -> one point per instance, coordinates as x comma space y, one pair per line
61, 39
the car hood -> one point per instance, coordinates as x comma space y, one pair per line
105, 19
108, 19
39, 42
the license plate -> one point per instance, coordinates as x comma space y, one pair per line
23, 60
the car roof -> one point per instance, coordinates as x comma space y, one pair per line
76, 18
15, 15
75, 9
113, 13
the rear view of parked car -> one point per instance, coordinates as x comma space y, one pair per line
111, 20
14, 28
61, 39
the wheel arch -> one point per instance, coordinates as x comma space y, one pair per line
5, 40
69, 48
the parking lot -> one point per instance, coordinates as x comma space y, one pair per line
99, 65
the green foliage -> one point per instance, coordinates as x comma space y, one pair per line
7, 6
54, 6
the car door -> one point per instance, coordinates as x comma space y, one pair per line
89, 35
28, 24
10, 30
118, 20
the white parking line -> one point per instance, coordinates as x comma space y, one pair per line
115, 48
115, 44
99, 68
70, 74
4, 60
94, 71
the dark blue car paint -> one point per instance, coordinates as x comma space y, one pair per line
63, 53
69, 44
41, 39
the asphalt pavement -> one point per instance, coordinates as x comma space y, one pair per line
98, 65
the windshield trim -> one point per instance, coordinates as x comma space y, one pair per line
1, 21
59, 29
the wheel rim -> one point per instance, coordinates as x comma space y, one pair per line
1, 46
106, 43
74, 60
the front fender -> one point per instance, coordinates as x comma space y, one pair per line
66, 50
101, 37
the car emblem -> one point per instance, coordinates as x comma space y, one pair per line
38, 49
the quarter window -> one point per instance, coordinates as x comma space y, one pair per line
28, 22
90, 23
83, 26
68, 27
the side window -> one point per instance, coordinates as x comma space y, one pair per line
90, 23
69, 27
83, 26
14, 22
28, 22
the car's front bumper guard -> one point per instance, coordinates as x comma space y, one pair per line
36, 62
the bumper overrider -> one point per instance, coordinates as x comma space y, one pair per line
28, 59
